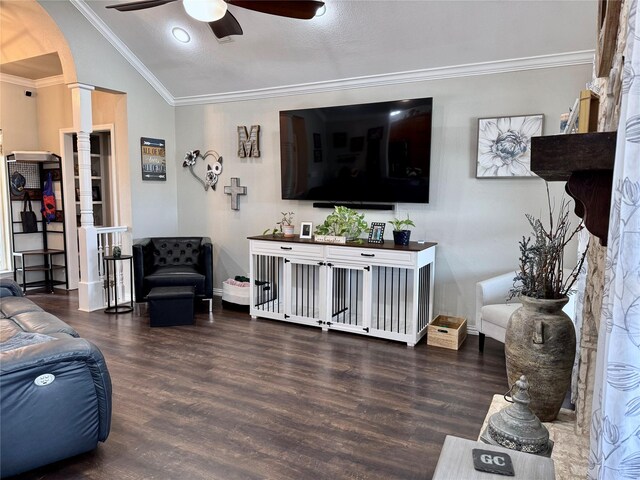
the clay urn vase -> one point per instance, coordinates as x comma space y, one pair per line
540, 343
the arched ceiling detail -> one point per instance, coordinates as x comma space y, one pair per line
27, 31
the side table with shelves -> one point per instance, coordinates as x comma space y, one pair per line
111, 269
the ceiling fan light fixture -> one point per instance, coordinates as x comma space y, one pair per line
205, 10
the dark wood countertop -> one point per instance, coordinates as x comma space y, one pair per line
387, 245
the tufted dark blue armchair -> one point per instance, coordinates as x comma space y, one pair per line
173, 262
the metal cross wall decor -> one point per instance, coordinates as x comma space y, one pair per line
234, 190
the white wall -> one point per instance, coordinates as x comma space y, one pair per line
54, 113
19, 124
18, 118
153, 209
477, 223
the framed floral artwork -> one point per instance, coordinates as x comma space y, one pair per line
504, 145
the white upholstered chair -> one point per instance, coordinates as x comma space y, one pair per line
493, 311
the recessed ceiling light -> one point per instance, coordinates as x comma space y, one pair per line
321, 11
180, 34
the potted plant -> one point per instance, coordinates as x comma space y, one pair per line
540, 338
343, 224
286, 224
401, 234
284, 227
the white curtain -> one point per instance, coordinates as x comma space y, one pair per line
580, 287
615, 427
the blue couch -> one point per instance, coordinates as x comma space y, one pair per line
55, 389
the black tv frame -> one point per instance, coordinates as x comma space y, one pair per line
393, 185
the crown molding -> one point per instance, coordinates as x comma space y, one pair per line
582, 57
49, 81
119, 45
29, 83
23, 82
468, 70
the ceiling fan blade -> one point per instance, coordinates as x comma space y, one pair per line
227, 25
128, 7
302, 9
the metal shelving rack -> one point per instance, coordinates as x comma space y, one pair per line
40, 254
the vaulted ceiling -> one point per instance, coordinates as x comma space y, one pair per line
353, 39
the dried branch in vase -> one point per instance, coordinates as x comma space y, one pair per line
541, 265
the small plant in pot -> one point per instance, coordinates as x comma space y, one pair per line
401, 234
540, 339
286, 224
284, 227
343, 222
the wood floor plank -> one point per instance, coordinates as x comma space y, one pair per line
234, 398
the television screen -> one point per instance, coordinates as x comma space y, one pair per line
375, 152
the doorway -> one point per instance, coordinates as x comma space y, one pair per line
100, 178
104, 197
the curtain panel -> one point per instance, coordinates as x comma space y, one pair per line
615, 426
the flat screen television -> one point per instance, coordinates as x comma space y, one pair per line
374, 152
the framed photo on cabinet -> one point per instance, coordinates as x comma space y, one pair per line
306, 230
376, 233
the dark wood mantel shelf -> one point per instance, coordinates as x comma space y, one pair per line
585, 161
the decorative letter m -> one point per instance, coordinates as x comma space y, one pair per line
248, 143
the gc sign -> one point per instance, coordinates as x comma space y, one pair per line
493, 459
492, 462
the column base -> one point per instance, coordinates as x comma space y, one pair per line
90, 296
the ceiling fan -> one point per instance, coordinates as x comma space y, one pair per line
221, 21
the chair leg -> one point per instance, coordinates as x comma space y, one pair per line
481, 342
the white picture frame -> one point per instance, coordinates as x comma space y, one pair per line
306, 230
572, 121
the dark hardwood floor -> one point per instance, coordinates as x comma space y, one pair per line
235, 398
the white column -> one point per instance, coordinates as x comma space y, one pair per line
90, 287
84, 174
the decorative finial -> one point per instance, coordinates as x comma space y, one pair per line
516, 427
